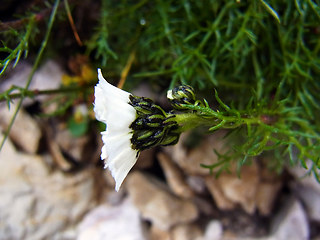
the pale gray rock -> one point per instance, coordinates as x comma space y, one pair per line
270, 183
25, 131
186, 232
39, 203
196, 183
254, 189
311, 199
157, 204
213, 231
229, 189
308, 190
218, 195
241, 190
48, 76
304, 177
190, 161
159, 234
174, 177
266, 195
291, 222
120, 222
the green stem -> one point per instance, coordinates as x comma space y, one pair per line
35, 66
210, 118
188, 121
32, 93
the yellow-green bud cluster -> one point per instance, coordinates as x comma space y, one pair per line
152, 126
181, 95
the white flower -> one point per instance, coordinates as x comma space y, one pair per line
112, 107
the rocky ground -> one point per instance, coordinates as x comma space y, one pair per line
53, 186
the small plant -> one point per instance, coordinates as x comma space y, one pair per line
256, 62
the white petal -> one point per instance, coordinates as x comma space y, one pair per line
112, 107
116, 144
109, 99
169, 94
121, 165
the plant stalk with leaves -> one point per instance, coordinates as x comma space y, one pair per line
261, 56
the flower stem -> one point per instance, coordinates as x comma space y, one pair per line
188, 121
213, 119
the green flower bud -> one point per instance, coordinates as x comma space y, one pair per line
181, 95
152, 126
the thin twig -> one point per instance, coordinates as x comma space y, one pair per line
36, 92
126, 70
75, 33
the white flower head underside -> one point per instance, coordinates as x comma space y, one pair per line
111, 107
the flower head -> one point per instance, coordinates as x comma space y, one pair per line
132, 123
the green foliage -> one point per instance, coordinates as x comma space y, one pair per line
21, 49
99, 40
8, 96
35, 66
261, 56
260, 129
